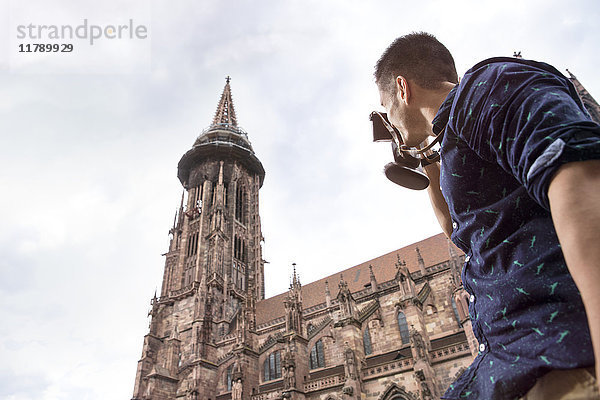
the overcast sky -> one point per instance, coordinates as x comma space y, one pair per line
89, 150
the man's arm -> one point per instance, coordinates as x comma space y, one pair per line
574, 195
440, 208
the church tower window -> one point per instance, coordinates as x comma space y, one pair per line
240, 199
192, 245
198, 197
238, 274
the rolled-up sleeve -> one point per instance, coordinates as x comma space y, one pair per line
527, 119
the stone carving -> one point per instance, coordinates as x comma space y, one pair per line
236, 389
289, 365
425, 391
350, 368
345, 299
236, 377
348, 390
148, 391
149, 353
289, 377
419, 349
153, 313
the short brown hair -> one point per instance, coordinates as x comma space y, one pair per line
419, 57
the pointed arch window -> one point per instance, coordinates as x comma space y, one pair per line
403, 326
239, 263
197, 197
317, 355
228, 377
240, 250
192, 244
272, 366
240, 200
367, 342
394, 392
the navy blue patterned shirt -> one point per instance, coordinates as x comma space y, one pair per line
508, 126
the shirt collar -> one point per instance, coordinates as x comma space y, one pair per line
441, 118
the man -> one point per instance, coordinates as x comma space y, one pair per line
520, 194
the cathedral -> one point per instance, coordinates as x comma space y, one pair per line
395, 327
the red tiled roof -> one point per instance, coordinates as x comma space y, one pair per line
434, 250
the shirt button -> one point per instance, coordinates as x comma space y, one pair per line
482, 347
454, 225
472, 298
467, 258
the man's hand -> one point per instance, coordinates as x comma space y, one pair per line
574, 195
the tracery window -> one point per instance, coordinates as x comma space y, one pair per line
192, 244
367, 342
238, 275
272, 366
240, 200
240, 251
317, 355
197, 200
227, 377
404, 335
240, 255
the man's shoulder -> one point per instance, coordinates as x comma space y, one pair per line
493, 62
501, 64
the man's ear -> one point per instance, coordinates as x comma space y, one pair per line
402, 89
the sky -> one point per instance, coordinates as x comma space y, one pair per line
90, 141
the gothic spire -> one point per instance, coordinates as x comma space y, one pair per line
225, 114
293, 305
372, 279
421, 262
295, 277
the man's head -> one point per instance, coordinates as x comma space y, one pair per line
411, 71
418, 57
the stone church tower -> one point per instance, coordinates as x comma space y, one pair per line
214, 271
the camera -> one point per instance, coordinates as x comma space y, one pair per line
407, 168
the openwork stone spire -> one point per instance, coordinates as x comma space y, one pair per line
223, 139
225, 114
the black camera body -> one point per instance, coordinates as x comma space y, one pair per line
406, 170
